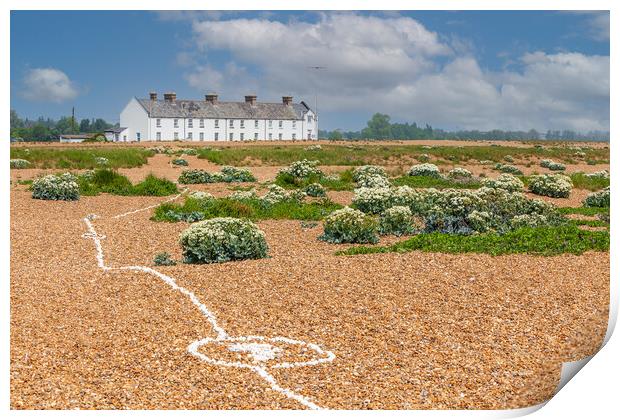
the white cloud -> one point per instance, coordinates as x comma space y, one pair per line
48, 85
397, 66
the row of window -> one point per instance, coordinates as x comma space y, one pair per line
231, 123
216, 136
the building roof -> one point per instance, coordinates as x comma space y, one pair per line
183, 108
115, 130
77, 136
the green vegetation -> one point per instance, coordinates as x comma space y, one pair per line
340, 182
540, 241
591, 183
111, 182
255, 209
586, 211
434, 182
81, 158
346, 155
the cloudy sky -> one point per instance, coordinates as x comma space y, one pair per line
453, 70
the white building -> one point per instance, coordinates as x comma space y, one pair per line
212, 120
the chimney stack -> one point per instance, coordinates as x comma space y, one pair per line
153, 96
250, 99
211, 98
170, 97
287, 100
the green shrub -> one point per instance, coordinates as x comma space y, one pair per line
194, 176
111, 182
551, 165
163, 258
551, 185
372, 200
508, 169
302, 168
56, 187
397, 220
348, 225
179, 162
102, 161
425, 169
19, 163
223, 239
460, 173
509, 158
315, 190
368, 170
153, 186
232, 174
597, 199
505, 182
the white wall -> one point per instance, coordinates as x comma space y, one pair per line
135, 118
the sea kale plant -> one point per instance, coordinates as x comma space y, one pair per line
201, 195
179, 162
460, 173
102, 161
315, 190
348, 225
597, 199
370, 176
223, 239
163, 259
506, 182
302, 169
397, 220
19, 163
551, 185
425, 169
232, 174
508, 169
551, 165
56, 187
600, 174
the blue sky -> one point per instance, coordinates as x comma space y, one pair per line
496, 69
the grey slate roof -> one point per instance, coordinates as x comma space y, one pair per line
183, 108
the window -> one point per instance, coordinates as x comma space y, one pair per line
242, 124
190, 136
158, 136
280, 124
138, 136
309, 118
232, 124
280, 136
124, 138
158, 122
202, 123
255, 123
270, 124
294, 137
231, 136
270, 136
255, 136
217, 123
241, 135
176, 135
190, 123
202, 136
176, 123
294, 124
217, 136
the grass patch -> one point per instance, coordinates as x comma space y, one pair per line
582, 181
111, 182
251, 209
433, 182
81, 158
381, 154
25, 181
586, 211
567, 239
590, 223
343, 183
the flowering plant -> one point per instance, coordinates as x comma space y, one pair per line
302, 168
598, 199
505, 182
179, 162
551, 185
425, 169
102, 161
348, 225
509, 169
56, 187
19, 163
397, 220
459, 173
554, 166
315, 190
223, 239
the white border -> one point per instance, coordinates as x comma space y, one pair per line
589, 395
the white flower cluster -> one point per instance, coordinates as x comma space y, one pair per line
529, 220
459, 173
19, 163
313, 147
371, 176
227, 174
580, 154
102, 161
551, 185
598, 199
425, 169
201, 195
397, 220
508, 169
486, 162
243, 195
302, 168
554, 166
160, 150
509, 158
191, 152
223, 239
56, 187
348, 225
373, 200
600, 174
505, 182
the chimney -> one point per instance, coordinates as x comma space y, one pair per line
170, 97
211, 98
250, 99
287, 100
153, 96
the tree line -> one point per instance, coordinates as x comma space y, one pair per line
47, 129
379, 127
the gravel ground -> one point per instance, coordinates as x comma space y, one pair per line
414, 330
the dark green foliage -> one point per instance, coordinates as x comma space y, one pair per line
586, 211
591, 183
343, 183
540, 241
163, 258
81, 158
111, 182
433, 182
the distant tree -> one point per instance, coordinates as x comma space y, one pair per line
16, 122
65, 126
378, 127
85, 126
99, 125
39, 132
335, 135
